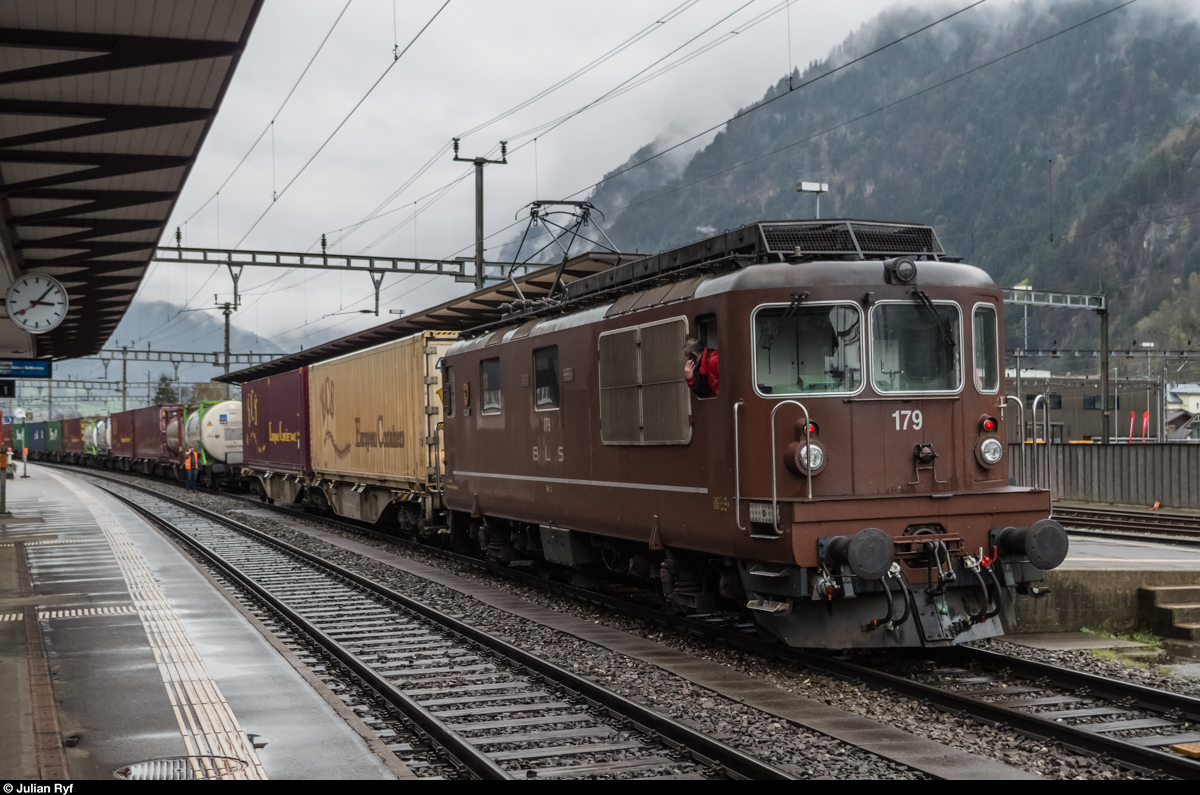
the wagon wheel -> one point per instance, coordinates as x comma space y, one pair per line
206, 479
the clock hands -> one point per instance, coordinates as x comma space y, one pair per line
38, 300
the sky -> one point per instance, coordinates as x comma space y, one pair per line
475, 61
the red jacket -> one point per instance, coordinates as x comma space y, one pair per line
710, 369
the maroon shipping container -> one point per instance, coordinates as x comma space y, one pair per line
6, 436
150, 431
72, 436
275, 423
122, 434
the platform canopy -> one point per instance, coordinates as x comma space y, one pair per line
104, 105
475, 309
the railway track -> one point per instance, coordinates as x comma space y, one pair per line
1173, 527
1127, 723
496, 711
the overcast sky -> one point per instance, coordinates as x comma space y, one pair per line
475, 61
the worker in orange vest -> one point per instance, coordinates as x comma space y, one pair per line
191, 463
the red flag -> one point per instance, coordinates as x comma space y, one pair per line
1145, 425
1132, 418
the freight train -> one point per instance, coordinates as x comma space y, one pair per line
150, 440
836, 470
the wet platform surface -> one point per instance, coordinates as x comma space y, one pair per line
1103, 553
115, 649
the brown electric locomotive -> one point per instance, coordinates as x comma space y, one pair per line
836, 467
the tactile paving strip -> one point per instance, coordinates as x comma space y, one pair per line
78, 612
206, 721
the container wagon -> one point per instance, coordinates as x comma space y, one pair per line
275, 452
73, 448
121, 438
374, 431
54, 441
35, 438
20, 437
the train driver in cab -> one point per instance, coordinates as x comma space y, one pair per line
701, 369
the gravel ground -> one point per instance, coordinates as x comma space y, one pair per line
808, 753
1084, 660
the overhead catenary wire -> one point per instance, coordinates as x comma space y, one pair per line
924, 90
277, 196
342, 123
275, 115
633, 82
586, 68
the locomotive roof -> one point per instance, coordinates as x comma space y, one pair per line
842, 250
818, 273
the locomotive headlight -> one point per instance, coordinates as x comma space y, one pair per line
811, 459
801, 458
990, 451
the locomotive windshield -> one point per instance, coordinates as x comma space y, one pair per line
912, 351
808, 349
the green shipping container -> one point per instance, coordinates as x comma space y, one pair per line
54, 436
19, 437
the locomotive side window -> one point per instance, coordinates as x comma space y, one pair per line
986, 359
914, 350
706, 332
545, 375
808, 349
489, 385
644, 399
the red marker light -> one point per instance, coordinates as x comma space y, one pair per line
988, 425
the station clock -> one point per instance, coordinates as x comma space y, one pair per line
37, 303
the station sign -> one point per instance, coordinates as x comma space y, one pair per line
25, 368
8, 389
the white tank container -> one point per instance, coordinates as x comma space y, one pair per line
217, 430
98, 436
173, 437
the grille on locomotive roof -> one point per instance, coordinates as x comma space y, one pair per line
841, 237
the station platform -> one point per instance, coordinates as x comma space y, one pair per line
116, 650
1097, 586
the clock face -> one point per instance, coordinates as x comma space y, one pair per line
37, 303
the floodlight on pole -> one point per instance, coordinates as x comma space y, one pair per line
813, 187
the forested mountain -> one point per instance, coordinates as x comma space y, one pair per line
1060, 163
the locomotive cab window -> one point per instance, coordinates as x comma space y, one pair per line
986, 356
545, 378
916, 348
808, 349
489, 385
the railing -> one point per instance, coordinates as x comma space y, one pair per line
774, 462
1120, 474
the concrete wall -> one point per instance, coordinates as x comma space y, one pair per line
1105, 599
1122, 474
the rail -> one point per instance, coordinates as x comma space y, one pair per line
249, 556
774, 463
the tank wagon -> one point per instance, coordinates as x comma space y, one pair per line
842, 479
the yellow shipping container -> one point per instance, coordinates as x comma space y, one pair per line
373, 415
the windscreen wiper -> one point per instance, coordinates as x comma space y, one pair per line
773, 331
924, 301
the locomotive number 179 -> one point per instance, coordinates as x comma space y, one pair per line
914, 416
